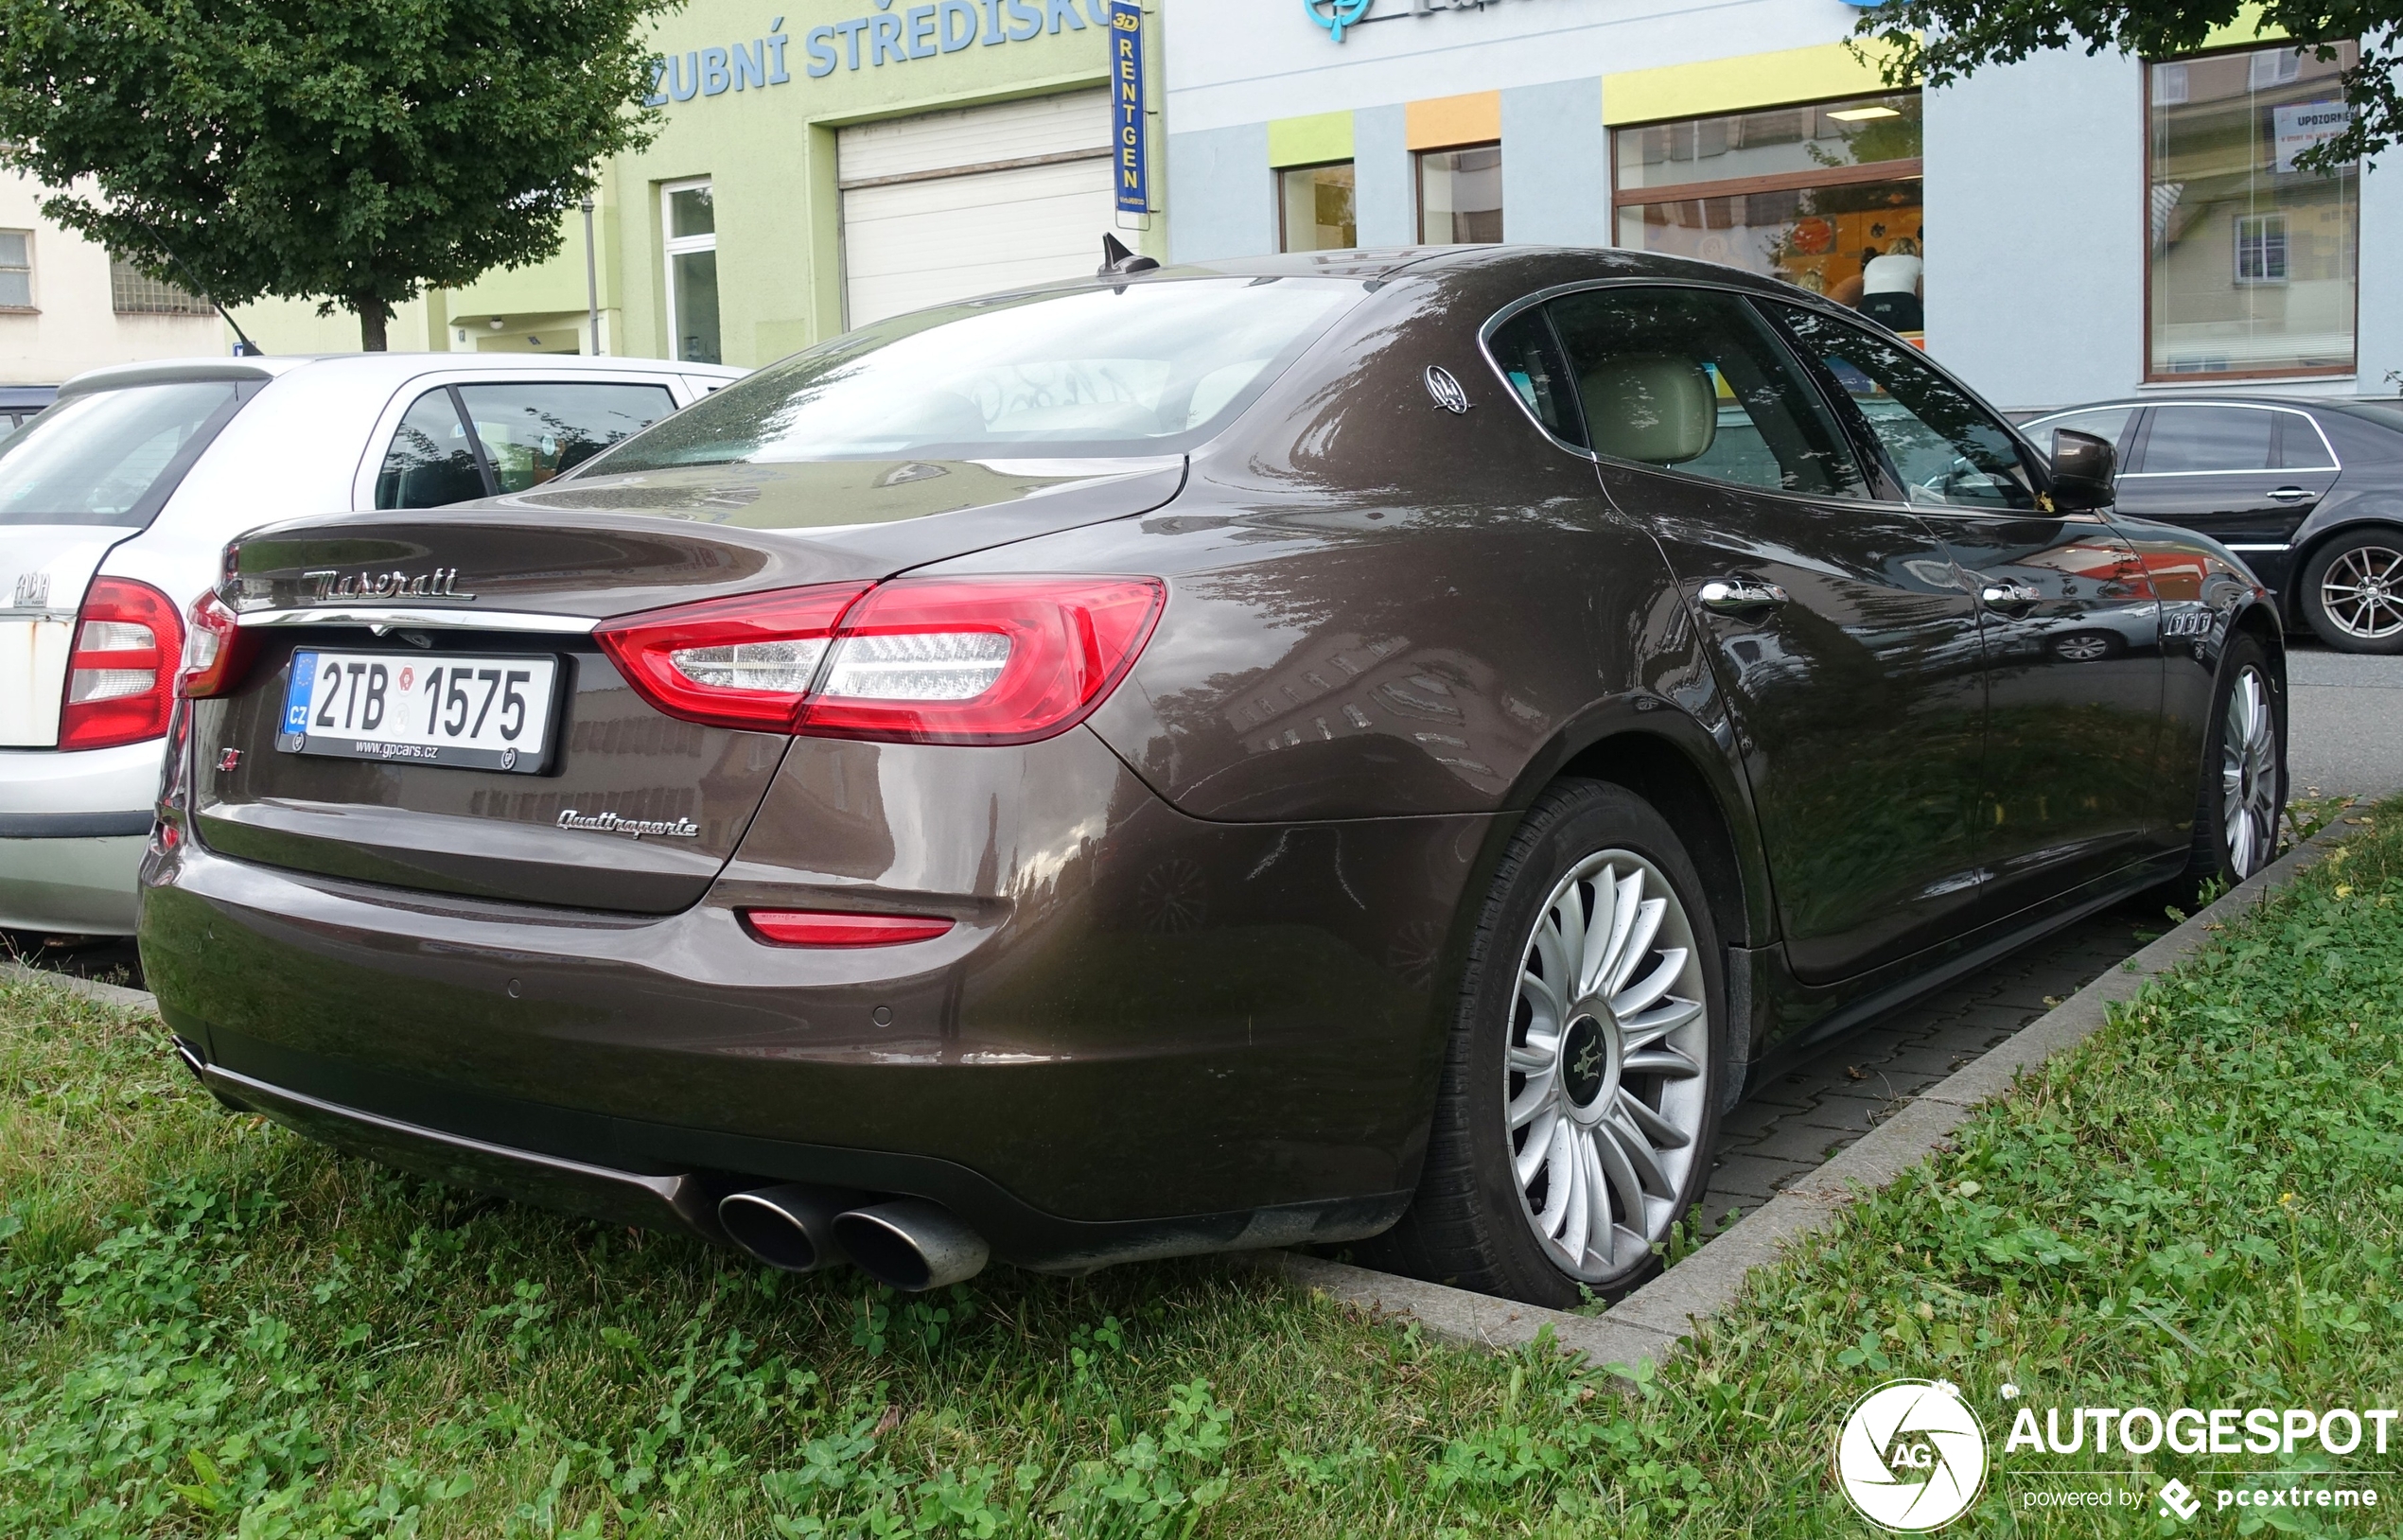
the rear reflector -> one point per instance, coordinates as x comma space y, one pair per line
827, 928
931, 660
120, 685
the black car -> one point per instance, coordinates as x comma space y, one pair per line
2309, 492
1375, 745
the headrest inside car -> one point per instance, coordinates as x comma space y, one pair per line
1651, 407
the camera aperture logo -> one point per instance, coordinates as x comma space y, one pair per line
1912, 1456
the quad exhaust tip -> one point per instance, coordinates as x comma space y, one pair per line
908, 1244
911, 1244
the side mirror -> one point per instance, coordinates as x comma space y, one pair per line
2083, 466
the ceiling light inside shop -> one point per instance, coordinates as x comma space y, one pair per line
1862, 115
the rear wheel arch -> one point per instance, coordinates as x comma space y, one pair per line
1667, 775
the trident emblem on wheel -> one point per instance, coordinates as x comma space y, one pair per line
1335, 15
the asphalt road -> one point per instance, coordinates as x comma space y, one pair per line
2344, 723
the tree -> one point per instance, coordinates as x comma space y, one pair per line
1942, 41
357, 151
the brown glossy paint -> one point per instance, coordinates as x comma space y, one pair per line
1208, 943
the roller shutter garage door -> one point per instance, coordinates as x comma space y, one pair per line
952, 204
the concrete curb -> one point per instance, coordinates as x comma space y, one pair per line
1647, 1325
111, 994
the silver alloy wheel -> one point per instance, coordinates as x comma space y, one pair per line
2249, 773
2361, 592
1605, 1082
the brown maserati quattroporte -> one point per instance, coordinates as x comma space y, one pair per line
1370, 748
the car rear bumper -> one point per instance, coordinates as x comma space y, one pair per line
1177, 1037
72, 827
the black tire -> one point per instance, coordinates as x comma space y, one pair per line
1471, 1225
2212, 858
2375, 551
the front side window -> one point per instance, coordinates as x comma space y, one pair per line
1316, 209
688, 214
1460, 195
16, 270
1824, 195
1149, 367
2251, 260
1692, 381
2109, 424
108, 457
1944, 448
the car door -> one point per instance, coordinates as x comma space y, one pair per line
1847, 649
2069, 621
475, 438
2247, 475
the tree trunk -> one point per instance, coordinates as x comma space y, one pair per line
371, 316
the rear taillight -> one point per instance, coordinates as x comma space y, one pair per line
934, 660
830, 928
217, 651
121, 672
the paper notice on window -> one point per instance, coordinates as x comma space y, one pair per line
2305, 124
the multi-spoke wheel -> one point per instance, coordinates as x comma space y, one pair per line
1582, 1090
2249, 773
2352, 592
2244, 772
1606, 1076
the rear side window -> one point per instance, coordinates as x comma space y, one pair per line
533, 433
1692, 380
2300, 446
110, 457
1530, 358
458, 443
2190, 439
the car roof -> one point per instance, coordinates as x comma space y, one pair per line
2302, 403
393, 367
1577, 262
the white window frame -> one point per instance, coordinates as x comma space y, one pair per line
674, 246
2263, 234
32, 297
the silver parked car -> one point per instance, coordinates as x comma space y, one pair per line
115, 507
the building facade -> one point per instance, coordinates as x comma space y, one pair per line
817, 166
67, 305
2066, 229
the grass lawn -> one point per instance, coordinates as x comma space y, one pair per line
212, 1327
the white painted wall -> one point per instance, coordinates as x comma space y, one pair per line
75, 326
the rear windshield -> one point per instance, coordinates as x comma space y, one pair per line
109, 457
1150, 367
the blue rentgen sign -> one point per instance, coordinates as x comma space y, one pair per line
1127, 91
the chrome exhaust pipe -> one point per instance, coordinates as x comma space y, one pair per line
911, 1244
790, 1227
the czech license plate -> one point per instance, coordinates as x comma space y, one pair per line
474, 713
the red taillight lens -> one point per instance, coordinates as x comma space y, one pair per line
121, 672
934, 660
740, 662
828, 928
217, 652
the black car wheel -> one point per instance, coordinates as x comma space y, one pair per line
2351, 592
2243, 787
1581, 1093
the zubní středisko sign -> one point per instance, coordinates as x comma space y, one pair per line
896, 33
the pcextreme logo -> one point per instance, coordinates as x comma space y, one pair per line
1912, 1457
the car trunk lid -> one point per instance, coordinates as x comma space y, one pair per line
42, 581
623, 807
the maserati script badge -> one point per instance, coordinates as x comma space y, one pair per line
442, 583
1447, 390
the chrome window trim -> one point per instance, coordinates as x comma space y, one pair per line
380, 620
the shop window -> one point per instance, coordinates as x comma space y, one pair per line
16, 270
690, 216
2251, 264
1825, 195
1316, 208
1460, 195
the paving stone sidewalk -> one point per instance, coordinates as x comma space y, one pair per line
1796, 1122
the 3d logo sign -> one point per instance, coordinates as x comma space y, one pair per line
1335, 15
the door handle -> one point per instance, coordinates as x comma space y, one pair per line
2008, 595
1730, 596
2289, 494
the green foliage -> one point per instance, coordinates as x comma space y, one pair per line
211, 1328
322, 148
1942, 41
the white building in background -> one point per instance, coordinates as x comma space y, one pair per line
67, 306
